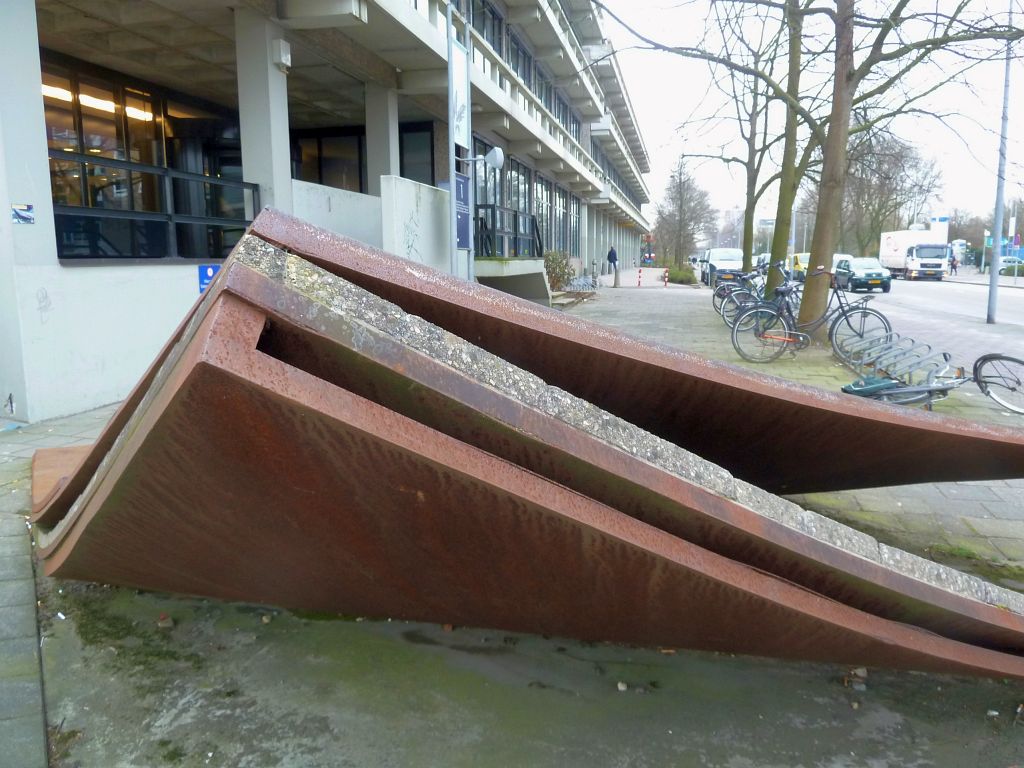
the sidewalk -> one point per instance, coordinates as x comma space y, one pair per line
23, 741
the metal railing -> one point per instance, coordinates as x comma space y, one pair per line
506, 233
147, 212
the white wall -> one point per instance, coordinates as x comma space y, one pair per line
90, 332
338, 210
415, 222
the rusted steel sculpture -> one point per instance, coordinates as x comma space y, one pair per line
778, 435
301, 443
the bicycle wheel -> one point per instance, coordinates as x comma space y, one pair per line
735, 303
1001, 378
855, 324
760, 334
719, 294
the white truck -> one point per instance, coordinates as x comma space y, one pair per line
914, 253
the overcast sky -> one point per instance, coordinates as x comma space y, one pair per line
668, 91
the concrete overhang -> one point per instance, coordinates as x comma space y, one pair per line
321, 14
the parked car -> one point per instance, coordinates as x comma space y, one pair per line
856, 273
727, 260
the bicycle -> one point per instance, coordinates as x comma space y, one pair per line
747, 281
998, 376
762, 332
742, 298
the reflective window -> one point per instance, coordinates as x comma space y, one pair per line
416, 153
58, 107
100, 133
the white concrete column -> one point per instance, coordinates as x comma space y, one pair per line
263, 109
381, 135
585, 256
26, 250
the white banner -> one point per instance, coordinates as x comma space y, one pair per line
460, 95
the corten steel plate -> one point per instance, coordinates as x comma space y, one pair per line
326, 328
50, 506
778, 435
242, 477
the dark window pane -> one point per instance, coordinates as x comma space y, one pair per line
339, 162
144, 140
66, 182
108, 187
417, 156
146, 192
309, 165
92, 237
151, 239
58, 107
207, 241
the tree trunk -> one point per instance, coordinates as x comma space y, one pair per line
833, 169
788, 181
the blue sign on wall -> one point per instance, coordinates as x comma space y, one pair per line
206, 275
462, 217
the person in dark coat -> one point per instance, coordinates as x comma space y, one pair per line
613, 258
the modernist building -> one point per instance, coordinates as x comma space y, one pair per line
139, 137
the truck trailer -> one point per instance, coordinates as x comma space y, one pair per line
913, 254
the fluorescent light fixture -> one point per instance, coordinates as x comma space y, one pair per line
91, 101
138, 114
56, 93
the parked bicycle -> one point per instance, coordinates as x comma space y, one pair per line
763, 331
744, 297
747, 281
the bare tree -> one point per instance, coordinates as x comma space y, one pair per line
875, 57
683, 217
888, 186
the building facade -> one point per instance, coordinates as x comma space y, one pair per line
139, 137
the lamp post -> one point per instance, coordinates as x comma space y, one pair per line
494, 159
997, 229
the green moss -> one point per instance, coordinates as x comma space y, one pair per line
102, 618
170, 752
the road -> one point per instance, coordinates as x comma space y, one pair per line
951, 317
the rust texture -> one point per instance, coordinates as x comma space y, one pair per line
279, 451
246, 478
753, 425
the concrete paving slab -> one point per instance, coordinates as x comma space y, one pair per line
19, 697
18, 621
19, 658
994, 527
1011, 548
21, 746
17, 592
12, 525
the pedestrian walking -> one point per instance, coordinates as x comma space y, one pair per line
613, 258
953, 265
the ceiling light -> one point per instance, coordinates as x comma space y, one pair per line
56, 93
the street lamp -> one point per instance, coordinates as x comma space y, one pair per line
494, 160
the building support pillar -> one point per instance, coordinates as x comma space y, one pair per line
263, 109
27, 248
382, 157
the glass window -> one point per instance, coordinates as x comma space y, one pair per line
339, 162
416, 154
58, 107
145, 144
100, 115
107, 187
309, 160
66, 182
